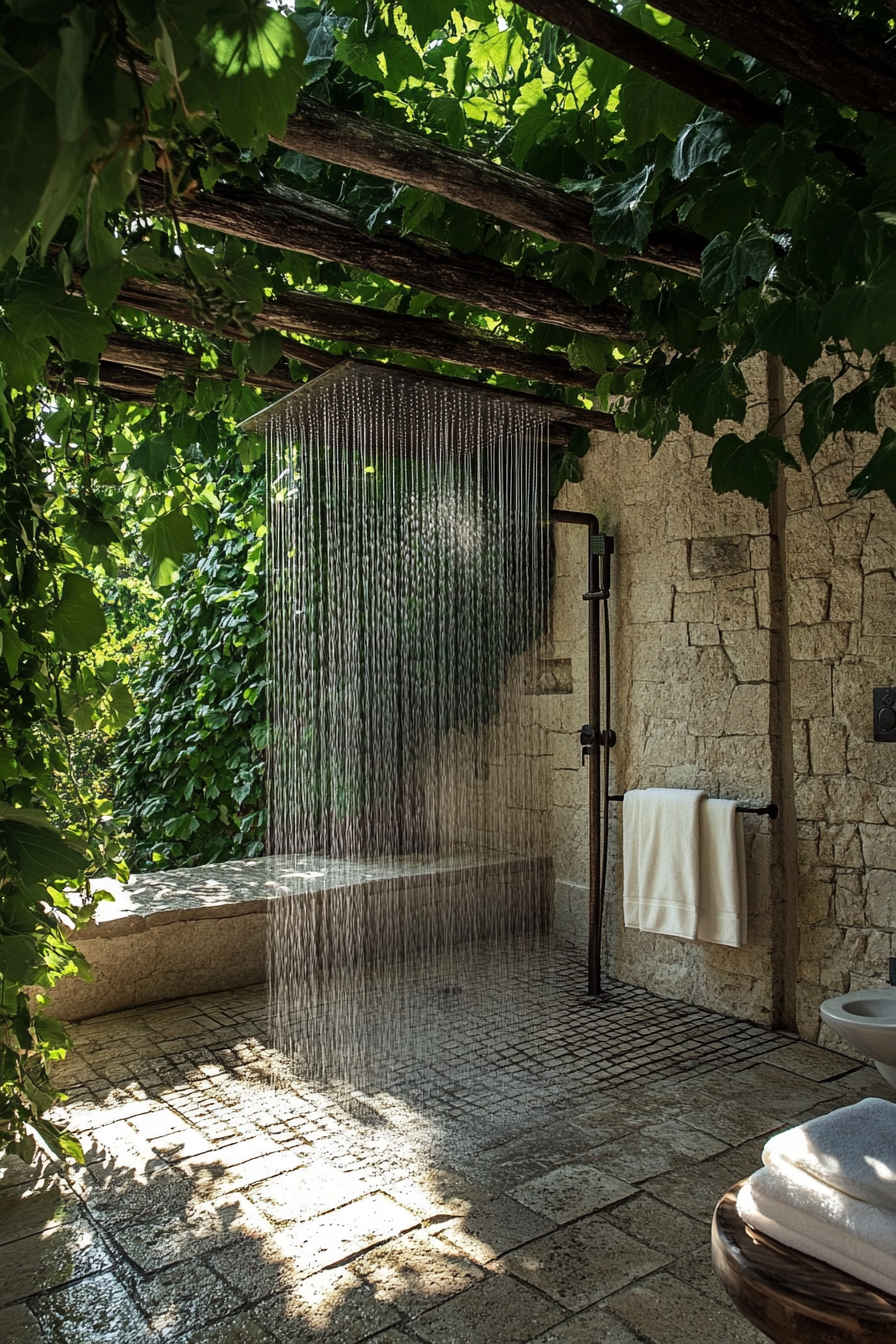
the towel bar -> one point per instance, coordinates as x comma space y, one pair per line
770, 810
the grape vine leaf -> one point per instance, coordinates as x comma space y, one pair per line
727, 263
880, 472
78, 621
749, 466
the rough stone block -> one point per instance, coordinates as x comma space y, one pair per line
879, 605
879, 847
880, 899
668, 743
711, 556
808, 600
747, 708
750, 653
698, 606
760, 552
827, 747
840, 846
648, 602
736, 608
849, 529
852, 799
810, 690
800, 735
819, 643
815, 901
846, 591
811, 798
702, 636
849, 900
809, 549
879, 543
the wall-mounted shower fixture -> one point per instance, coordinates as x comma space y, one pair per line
596, 740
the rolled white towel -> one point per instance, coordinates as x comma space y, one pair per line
852, 1149
818, 1220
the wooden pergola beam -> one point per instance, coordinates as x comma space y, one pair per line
398, 154
401, 155
806, 40
300, 223
170, 302
332, 320
700, 81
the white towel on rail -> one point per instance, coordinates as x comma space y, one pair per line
661, 860
722, 915
818, 1220
852, 1149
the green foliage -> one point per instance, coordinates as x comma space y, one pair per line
189, 765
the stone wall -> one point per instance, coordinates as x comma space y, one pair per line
842, 586
710, 621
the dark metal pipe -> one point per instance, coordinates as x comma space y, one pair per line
593, 738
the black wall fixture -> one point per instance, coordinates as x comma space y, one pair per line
596, 739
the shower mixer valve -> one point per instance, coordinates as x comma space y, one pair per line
591, 739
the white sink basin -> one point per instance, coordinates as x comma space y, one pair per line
867, 1019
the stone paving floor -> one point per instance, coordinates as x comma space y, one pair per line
562, 1193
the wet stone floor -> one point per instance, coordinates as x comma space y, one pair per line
563, 1193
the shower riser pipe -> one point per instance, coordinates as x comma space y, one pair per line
601, 740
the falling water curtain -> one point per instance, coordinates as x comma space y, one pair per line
408, 580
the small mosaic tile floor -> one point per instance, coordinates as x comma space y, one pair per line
552, 1180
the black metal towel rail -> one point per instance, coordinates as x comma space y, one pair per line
770, 810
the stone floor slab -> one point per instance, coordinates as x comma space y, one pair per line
334, 1306
582, 1262
665, 1230
18, 1326
488, 1230
497, 1311
732, 1121
416, 1272
595, 1325
655, 1149
810, 1061
332, 1238
185, 1298
50, 1258
97, 1310
239, 1329
663, 1310
306, 1192
571, 1191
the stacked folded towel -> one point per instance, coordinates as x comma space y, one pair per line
828, 1188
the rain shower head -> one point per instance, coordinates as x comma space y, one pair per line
404, 395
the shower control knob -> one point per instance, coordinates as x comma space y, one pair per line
588, 739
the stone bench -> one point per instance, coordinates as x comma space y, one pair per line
200, 930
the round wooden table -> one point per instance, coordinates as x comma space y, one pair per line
794, 1298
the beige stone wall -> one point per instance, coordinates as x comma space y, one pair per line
842, 581
696, 705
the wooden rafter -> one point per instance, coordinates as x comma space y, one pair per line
806, 40
614, 34
300, 223
355, 324
401, 155
132, 366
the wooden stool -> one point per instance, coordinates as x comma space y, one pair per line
794, 1298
